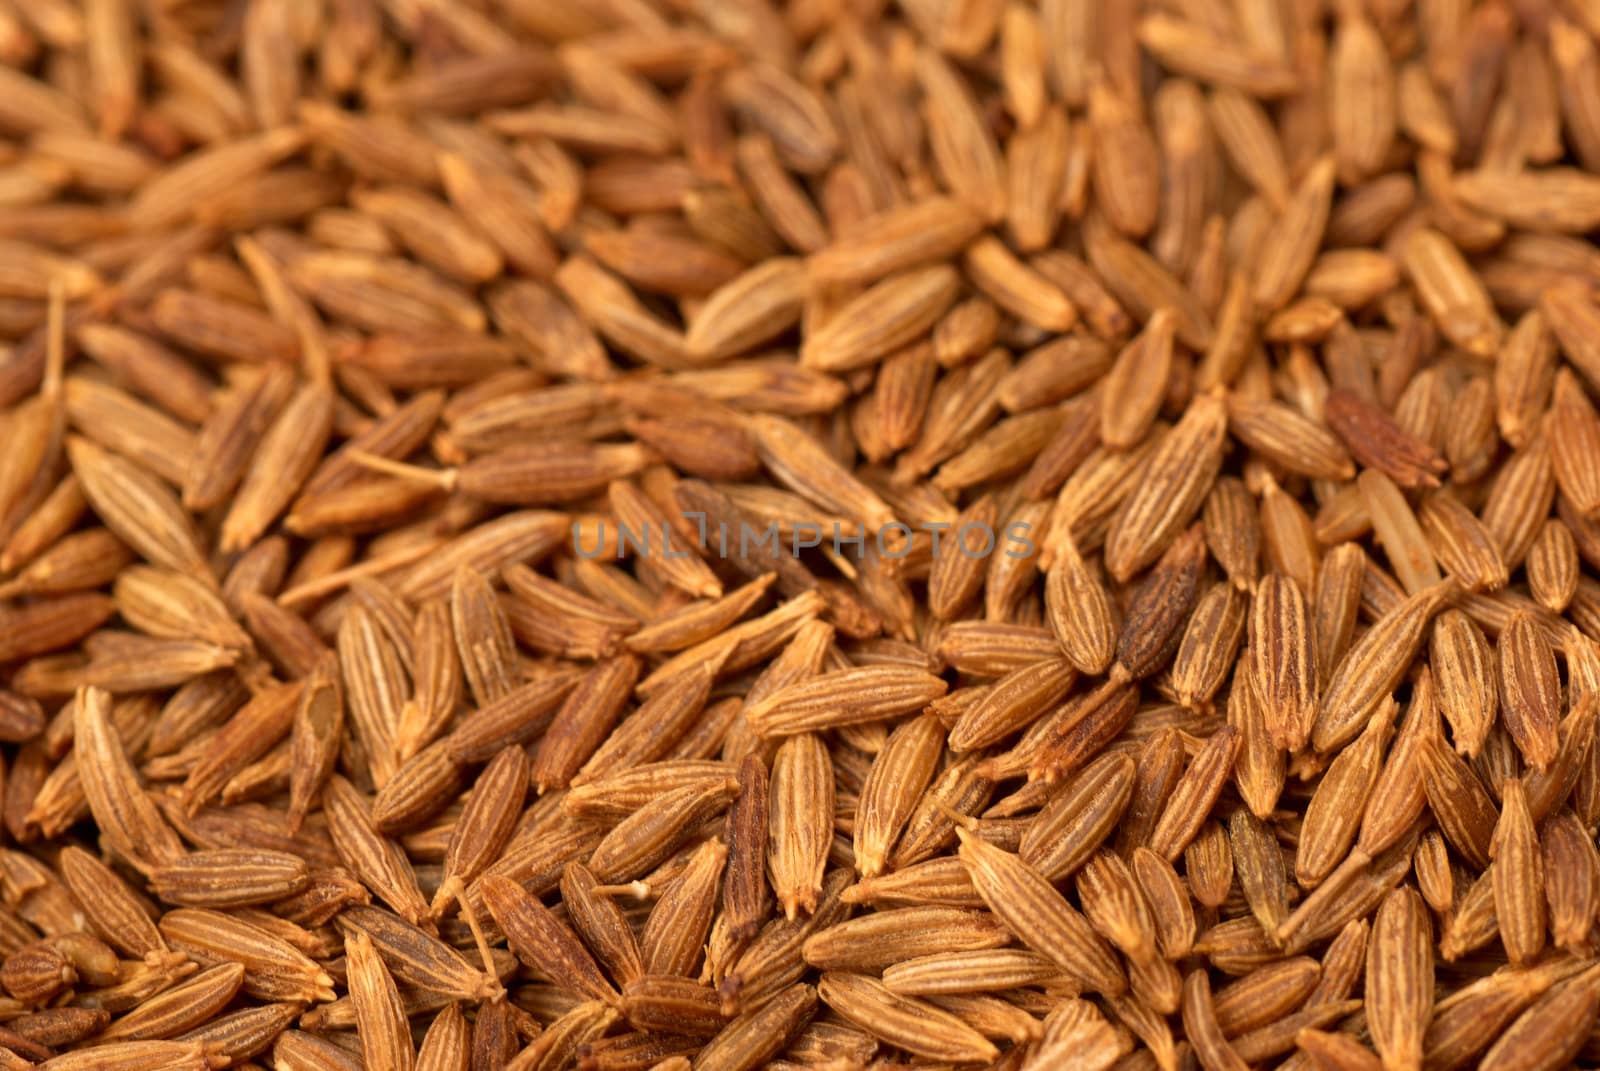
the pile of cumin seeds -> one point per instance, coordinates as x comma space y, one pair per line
733, 534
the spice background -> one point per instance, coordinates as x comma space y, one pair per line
330, 328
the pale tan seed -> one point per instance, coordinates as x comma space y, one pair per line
1397, 531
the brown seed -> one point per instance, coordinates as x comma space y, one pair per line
1194, 794
943, 973
416, 957
883, 938
1530, 1039
1458, 800
1033, 910
127, 816
674, 937
1079, 818
1180, 473
1568, 865
962, 147
1518, 870
1232, 529
1374, 439
543, 941
1334, 814
229, 878
274, 969
1469, 694
1210, 644
913, 1024
380, 1017
1529, 690
755, 1037
1080, 611
844, 697
1126, 162
744, 889
1200, 1024
1283, 671
652, 832
801, 820
1159, 606
585, 718
332, 347
1372, 667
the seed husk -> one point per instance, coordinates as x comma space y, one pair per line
905, 1021
1033, 910
345, 348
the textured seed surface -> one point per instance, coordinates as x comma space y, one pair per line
726, 535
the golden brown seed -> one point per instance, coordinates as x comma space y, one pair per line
1033, 910
1529, 690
